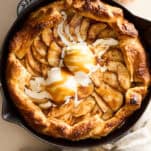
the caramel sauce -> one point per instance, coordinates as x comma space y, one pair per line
58, 87
78, 61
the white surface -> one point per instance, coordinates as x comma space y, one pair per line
12, 137
140, 7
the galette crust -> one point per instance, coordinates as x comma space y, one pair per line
134, 56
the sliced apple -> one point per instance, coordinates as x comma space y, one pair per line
40, 101
45, 105
84, 92
66, 31
84, 28
97, 111
95, 29
113, 55
97, 77
21, 53
44, 69
38, 57
123, 77
75, 21
57, 38
107, 33
54, 53
122, 73
107, 112
61, 110
37, 97
112, 97
30, 70
111, 79
40, 47
35, 65
85, 107
47, 36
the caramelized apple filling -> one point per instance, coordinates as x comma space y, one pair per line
74, 68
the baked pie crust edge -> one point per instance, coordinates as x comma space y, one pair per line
94, 127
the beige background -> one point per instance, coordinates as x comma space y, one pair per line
12, 137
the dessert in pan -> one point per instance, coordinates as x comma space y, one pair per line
77, 69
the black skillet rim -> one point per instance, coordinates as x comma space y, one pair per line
115, 135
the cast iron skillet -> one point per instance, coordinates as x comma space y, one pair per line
10, 112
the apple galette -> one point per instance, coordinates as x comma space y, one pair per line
77, 69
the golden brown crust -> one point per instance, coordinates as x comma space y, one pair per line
92, 124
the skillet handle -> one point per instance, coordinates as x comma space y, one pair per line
22, 5
9, 113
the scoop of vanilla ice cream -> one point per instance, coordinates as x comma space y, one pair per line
79, 58
60, 85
